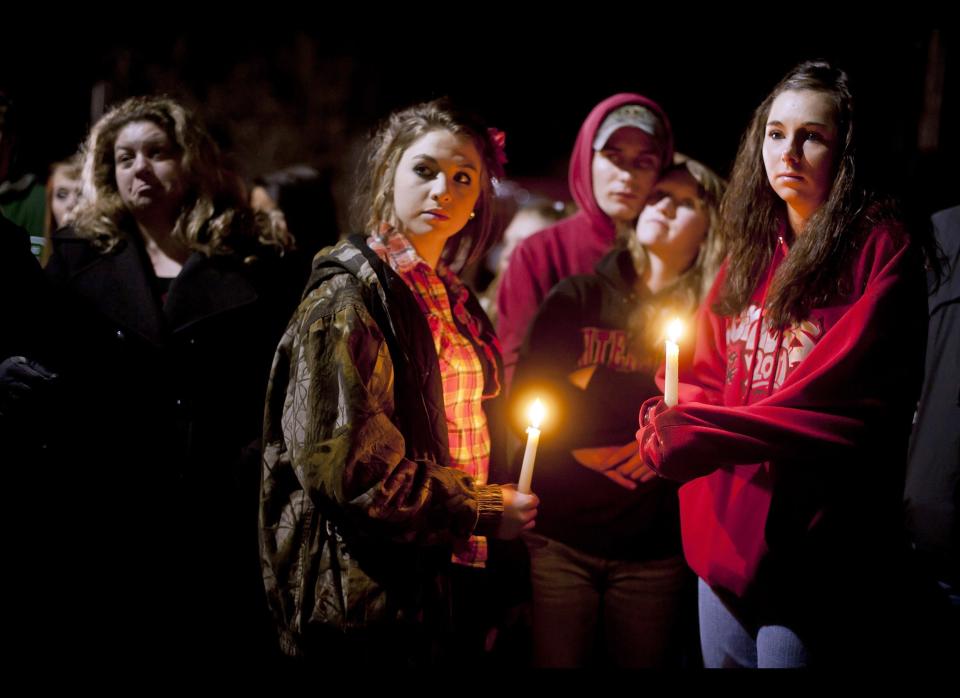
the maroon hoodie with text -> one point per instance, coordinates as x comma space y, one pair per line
792, 441
572, 246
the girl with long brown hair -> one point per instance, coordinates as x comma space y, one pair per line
794, 416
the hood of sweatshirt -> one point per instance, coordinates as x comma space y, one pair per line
580, 177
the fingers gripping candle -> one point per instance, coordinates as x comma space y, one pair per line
536, 414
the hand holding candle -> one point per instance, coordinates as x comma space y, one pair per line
536, 414
670, 387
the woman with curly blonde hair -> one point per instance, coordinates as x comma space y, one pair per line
173, 294
187, 196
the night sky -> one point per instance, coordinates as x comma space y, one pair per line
276, 96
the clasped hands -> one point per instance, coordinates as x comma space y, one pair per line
625, 464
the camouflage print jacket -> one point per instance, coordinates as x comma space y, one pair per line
359, 508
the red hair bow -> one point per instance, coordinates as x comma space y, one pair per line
499, 140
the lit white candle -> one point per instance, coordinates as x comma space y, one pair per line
535, 413
674, 329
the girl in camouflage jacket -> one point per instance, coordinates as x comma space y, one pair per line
377, 448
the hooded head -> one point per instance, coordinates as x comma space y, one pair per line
629, 135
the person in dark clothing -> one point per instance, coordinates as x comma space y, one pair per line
24, 296
21, 192
170, 294
608, 576
28, 382
303, 194
932, 491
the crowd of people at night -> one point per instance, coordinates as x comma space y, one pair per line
239, 437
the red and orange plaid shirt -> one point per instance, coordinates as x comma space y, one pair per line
460, 367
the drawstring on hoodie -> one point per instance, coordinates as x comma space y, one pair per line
783, 249
779, 345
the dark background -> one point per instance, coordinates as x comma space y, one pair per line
275, 95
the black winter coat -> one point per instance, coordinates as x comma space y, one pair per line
160, 431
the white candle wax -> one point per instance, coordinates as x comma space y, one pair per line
529, 455
674, 330
670, 384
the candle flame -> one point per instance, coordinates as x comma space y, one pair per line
536, 413
674, 330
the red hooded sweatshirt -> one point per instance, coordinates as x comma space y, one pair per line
792, 442
572, 246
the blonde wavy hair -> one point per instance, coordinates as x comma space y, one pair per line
373, 203
214, 215
686, 293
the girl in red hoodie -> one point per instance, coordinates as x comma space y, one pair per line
794, 414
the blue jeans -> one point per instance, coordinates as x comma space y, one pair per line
727, 643
579, 599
